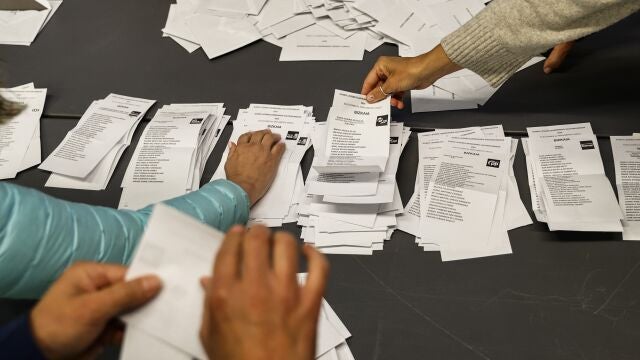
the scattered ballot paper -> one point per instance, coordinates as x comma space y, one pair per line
180, 265
294, 125
89, 153
569, 189
626, 158
20, 136
22, 20
465, 197
172, 153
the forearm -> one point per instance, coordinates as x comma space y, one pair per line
40, 236
507, 33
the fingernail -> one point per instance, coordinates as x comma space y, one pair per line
370, 97
151, 283
237, 229
547, 70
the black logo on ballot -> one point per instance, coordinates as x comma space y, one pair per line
587, 145
493, 163
394, 140
135, 113
382, 120
196, 121
293, 135
302, 141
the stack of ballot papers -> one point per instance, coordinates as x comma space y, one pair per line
626, 158
351, 198
22, 20
466, 196
180, 265
20, 136
89, 153
294, 125
569, 189
172, 153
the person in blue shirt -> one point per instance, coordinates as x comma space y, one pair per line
41, 236
254, 307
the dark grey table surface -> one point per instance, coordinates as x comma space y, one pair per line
561, 295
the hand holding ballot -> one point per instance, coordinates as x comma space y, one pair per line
253, 162
254, 306
395, 75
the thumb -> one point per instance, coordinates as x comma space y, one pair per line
382, 91
126, 296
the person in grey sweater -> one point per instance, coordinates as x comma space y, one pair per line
496, 43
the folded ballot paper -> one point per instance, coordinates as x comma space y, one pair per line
348, 208
180, 265
626, 158
20, 145
172, 153
466, 197
294, 124
89, 153
22, 20
569, 189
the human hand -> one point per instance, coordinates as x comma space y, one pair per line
395, 75
557, 57
253, 162
75, 318
254, 308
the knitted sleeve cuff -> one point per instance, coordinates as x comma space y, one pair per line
475, 46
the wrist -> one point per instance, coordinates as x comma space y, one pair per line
249, 189
436, 64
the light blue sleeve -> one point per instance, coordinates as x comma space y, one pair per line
40, 236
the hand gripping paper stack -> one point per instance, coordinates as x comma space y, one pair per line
180, 265
466, 196
89, 153
172, 153
351, 197
22, 20
569, 190
20, 136
293, 124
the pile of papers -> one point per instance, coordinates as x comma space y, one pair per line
294, 125
180, 265
466, 197
89, 153
569, 189
20, 136
351, 197
305, 29
172, 153
626, 158
22, 20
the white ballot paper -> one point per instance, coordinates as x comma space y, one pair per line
571, 188
444, 148
99, 177
293, 124
101, 127
626, 158
357, 135
351, 213
180, 265
22, 20
20, 136
171, 154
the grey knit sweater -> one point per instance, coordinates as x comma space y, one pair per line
507, 33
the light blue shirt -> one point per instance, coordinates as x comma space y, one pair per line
40, 236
